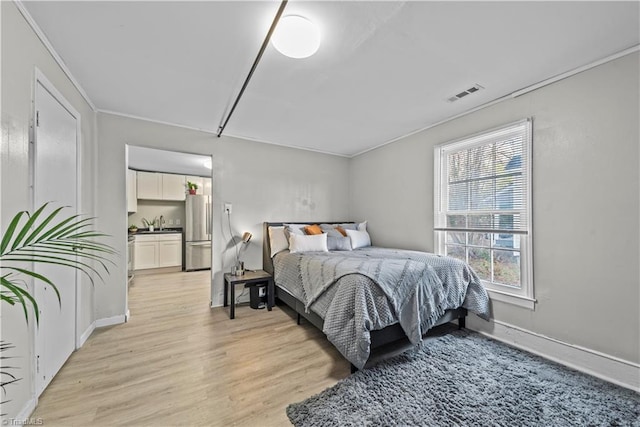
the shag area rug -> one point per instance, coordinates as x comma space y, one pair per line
465, 379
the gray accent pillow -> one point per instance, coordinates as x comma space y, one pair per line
290, 229
338, 243
296, 228
349, 226
331, 231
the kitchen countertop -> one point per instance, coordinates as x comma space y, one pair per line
163, 231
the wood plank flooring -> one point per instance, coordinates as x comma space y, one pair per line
179, 362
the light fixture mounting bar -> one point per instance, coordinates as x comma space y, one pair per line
265, 43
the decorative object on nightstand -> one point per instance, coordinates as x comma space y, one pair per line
239, 267
248, 280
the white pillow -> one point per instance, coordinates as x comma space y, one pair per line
277, 240
359, 239
312, 243
362, 226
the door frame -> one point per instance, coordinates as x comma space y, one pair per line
40, 78
211, 222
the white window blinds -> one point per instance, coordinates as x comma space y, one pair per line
484, 182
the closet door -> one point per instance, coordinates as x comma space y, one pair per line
55, 180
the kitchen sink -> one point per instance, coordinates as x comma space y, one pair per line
163, 231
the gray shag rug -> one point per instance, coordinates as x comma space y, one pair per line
465, 379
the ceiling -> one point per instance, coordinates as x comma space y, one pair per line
383, 70
153, 160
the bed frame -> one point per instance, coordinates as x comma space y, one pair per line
384, 342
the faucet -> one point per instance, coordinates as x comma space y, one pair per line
161, 222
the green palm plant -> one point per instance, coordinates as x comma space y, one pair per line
45, 238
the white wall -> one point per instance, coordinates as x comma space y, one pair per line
22, 51
263, 182
585, 204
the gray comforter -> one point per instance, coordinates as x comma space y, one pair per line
371, 288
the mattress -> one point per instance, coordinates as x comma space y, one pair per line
367, 289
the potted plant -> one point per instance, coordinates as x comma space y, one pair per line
150, 224
42, 237
192, 187
133, 228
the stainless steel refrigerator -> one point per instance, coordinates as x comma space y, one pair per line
198, 232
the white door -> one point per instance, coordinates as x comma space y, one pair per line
55, 180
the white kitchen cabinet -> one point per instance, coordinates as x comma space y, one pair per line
149, 185
170, 253
173, 187
161, 186
132, 191
146, 252
158, 250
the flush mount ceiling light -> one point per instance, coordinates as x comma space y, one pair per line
296, 37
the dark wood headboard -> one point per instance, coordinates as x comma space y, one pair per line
267, 262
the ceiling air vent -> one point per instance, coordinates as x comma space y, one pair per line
466, 92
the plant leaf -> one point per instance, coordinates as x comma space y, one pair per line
43, 225
20, 295
9, 233
44, 238
40, 277
25, 228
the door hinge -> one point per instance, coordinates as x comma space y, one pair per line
38, 364
37, 118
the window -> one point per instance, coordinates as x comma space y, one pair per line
483, 208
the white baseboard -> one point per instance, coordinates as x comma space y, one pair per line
110, 321
86, 334
23, 417
609, 368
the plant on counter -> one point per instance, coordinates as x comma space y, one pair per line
45, 238
133, 228
150, 224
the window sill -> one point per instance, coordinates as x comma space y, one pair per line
518, 300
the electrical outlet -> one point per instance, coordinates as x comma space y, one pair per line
177, 222
228, 208
170, 222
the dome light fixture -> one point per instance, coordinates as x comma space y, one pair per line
296, 37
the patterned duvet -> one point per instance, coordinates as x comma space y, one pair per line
370, 288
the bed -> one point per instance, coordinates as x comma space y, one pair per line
369, 301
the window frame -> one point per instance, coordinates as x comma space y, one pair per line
524, 296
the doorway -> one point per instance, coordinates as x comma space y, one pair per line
166, 215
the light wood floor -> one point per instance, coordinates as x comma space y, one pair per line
179, 362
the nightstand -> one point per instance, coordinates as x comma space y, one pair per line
248, 279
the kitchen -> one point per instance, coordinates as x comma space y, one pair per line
169, 212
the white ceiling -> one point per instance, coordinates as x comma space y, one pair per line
153, 160
384, 69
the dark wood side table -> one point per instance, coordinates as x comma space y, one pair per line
248, 279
